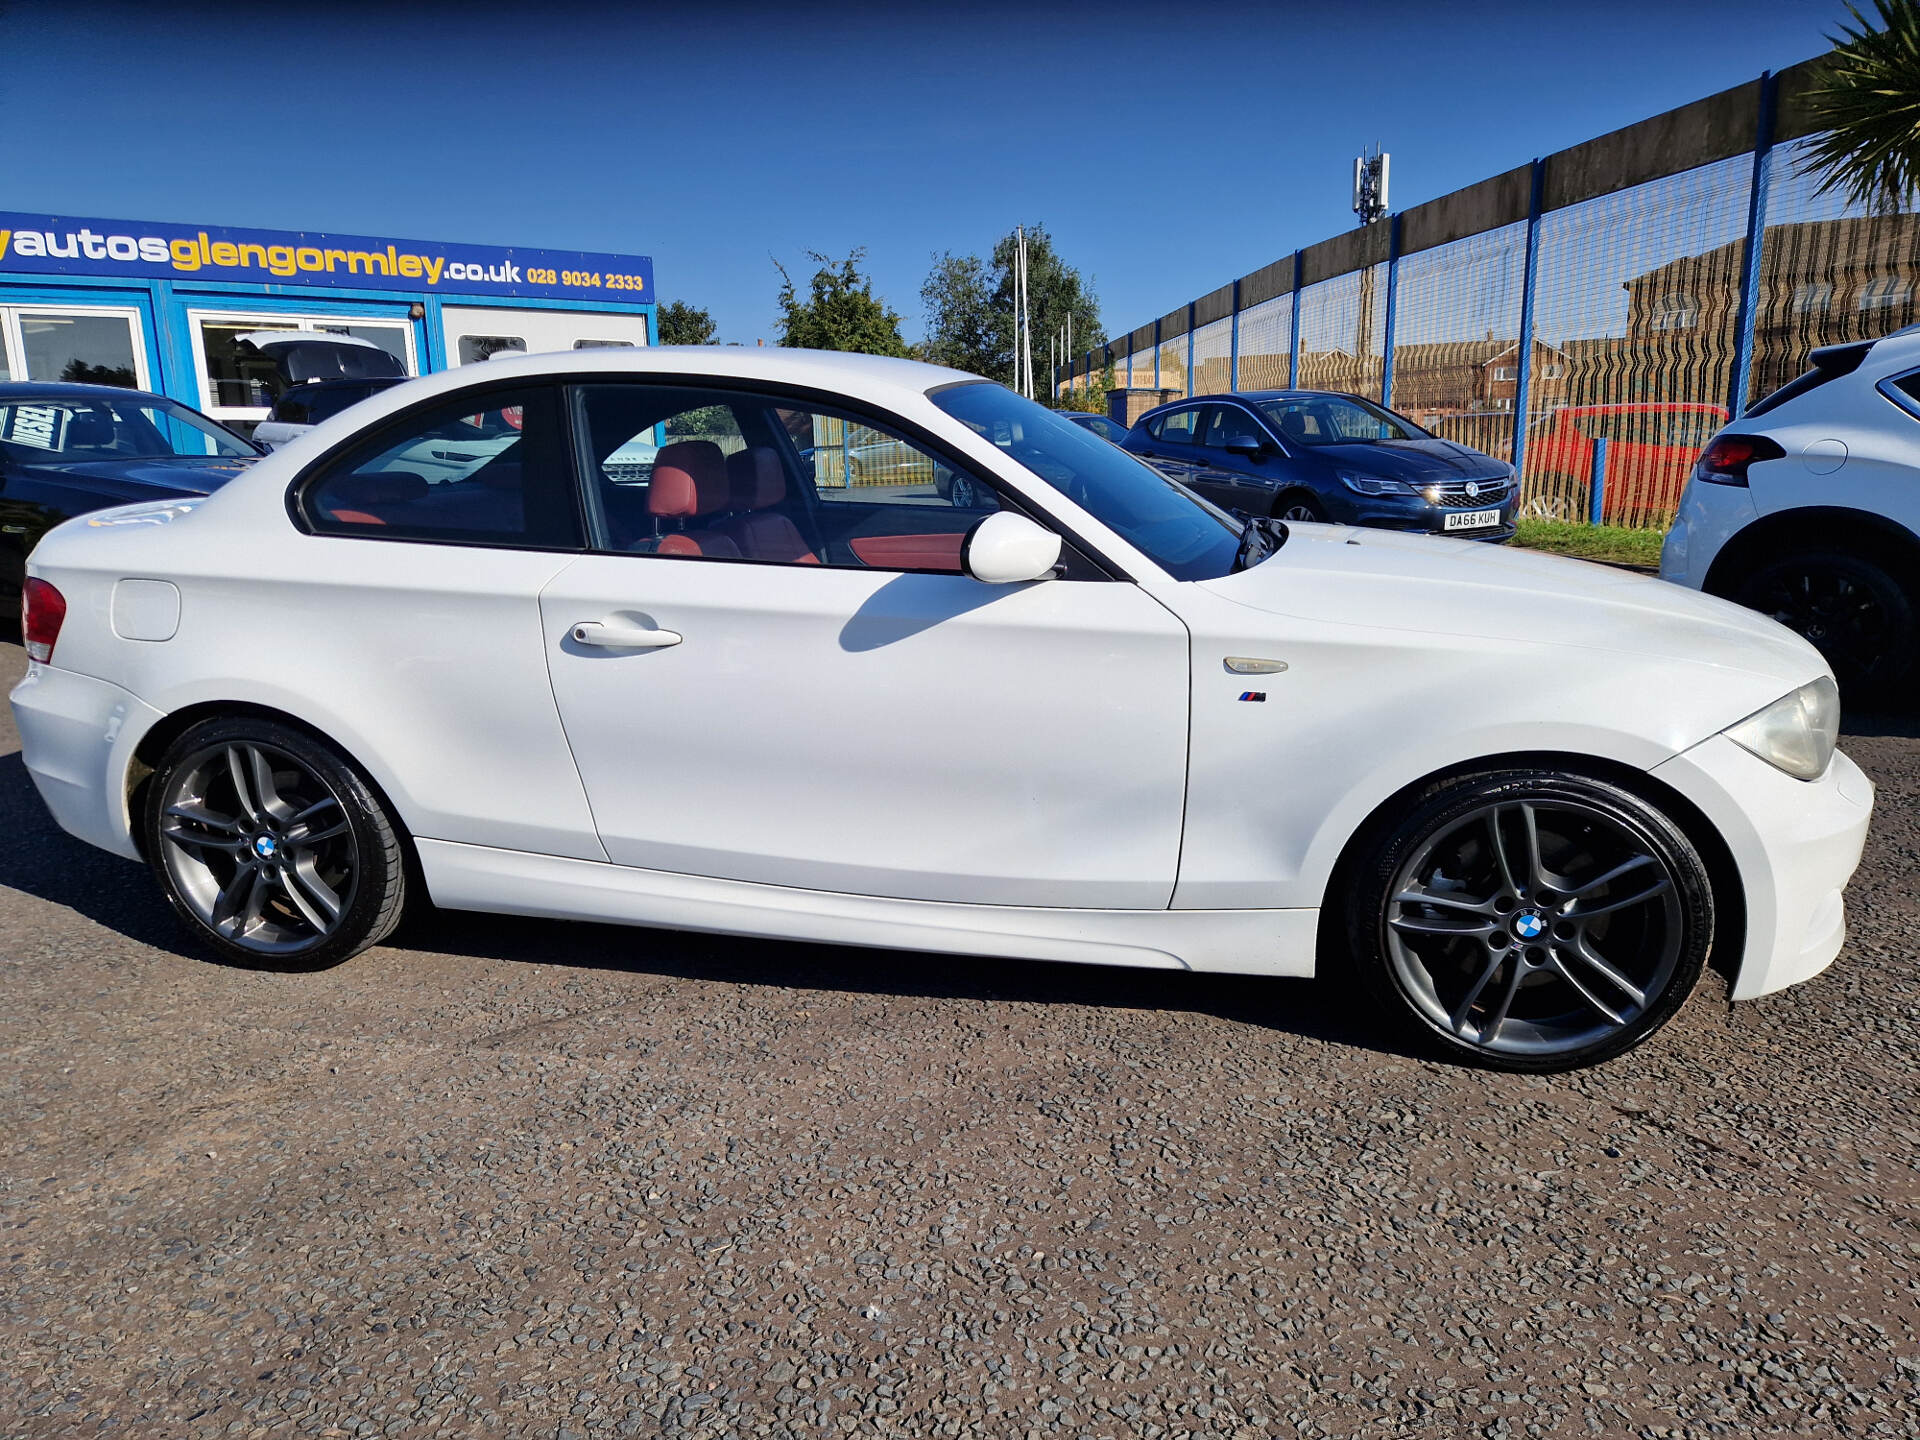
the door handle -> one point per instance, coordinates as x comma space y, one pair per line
623, 635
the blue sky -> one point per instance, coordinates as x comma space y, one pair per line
1168, 148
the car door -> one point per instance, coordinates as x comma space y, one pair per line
791, 683
1235, 480
1169, 443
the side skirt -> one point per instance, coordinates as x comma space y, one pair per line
513, 882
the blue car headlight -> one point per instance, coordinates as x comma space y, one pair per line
1374, 484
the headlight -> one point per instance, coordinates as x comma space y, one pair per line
1797, 732
1374, 485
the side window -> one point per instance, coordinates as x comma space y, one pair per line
733, 475
295, 407
491, 470
1228, 422
1178, 428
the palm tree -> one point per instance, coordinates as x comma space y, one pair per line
1867, 102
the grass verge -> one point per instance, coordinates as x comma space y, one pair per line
1615, 543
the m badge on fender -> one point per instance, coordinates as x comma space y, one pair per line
1257, 696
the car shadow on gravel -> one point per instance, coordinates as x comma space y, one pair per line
1307, 1008
40, 859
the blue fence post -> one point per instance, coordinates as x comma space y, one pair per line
1233, 341
1293, 336
1597, 485
1393, 292
1190, 348
1156, 354
1523, 373
1756, 235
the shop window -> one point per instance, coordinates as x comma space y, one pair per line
88, 349
475, 348
247, 369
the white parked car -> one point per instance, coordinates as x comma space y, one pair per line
1095, 719
1807, 508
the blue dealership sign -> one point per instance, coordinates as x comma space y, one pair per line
139, 249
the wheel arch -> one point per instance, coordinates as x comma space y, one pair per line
1729, 891
1784, 531
1286, 490
170, 727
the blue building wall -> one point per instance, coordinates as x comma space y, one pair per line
157, 288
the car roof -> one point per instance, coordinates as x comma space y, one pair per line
828, 370
270, 339
1250, 397
71, 390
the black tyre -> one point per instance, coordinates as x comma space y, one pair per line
1530, 920
1850, 607
1299, 505
273, 849
961, 493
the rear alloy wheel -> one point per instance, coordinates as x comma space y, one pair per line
1532, 920
272, 849
1853, 611
1299, 505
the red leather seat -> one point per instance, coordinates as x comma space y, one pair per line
689, 482
755, 483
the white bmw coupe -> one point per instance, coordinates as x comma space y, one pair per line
1087, 717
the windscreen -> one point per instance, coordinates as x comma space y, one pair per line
1184, 535
63, 431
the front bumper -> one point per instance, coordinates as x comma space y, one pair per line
1795, 843
77, 737
1419, 517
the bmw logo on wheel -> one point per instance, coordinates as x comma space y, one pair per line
264, 847
1528, 927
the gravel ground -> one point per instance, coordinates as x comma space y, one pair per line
516, 1178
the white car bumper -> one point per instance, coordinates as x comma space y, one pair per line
77, 736
1795, 843
1708, 517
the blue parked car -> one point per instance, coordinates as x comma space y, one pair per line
1109, 430
1316, 455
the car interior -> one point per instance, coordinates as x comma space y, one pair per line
735, 477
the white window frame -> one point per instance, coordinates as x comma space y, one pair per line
196, 341
15, 339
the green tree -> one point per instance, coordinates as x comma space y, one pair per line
684, 324
1055, 291
958, 303
1867, 101
839, 312
970, 313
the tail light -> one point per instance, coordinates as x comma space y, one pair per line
1725, 460
43, 610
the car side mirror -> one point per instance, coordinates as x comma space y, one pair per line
1006, 549
1245, 445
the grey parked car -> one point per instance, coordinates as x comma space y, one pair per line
1316, 455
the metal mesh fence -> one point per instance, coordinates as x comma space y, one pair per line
1456, 342
1266, 344
1213, 357
1829, 272
1646, 306
1342, 332
1636, 309
1173, 364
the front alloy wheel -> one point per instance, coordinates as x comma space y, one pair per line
1533, 920
961, 492
271, 848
